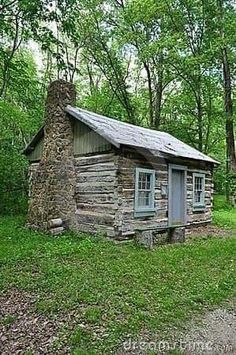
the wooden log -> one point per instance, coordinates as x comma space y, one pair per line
94, 179
102, 173
97, 229
56, 231
94, 168
94, 197
98, 207
95, 217
95, 159
56, 222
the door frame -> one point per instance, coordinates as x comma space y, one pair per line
183, 168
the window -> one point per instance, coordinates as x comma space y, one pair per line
144, 192
198, 191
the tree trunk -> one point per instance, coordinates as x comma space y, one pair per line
200, 122
229, 126
150, 93
158, 102
7, 62
229, 118
159, 92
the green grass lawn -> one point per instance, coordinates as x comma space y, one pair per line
223, 215
116, 289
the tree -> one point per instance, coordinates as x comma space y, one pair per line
20, 117
20, 20
143, 29
228, 105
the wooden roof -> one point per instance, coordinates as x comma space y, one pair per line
120, 133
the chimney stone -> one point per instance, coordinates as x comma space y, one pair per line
54, 182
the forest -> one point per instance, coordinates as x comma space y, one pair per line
169, 65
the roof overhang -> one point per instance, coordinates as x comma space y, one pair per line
75, 113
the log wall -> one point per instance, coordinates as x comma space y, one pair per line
204, 216
105, 188
127, 162
96, 199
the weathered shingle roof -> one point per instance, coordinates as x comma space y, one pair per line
121, 133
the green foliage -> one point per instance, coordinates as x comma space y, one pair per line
231, 177
157, 64
20, 117
13, 166
115, 290
101, 100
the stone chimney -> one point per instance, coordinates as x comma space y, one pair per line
52, 205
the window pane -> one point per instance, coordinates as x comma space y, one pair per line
198, 189
141, 199
144, 181
144, 198
198, 183
148, 181
145, 190
148, 198
197, 197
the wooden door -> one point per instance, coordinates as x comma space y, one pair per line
177, 195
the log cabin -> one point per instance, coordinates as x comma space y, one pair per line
96, 174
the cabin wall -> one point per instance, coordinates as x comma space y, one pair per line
105, 189
205, 216
36, 154
195, 217
96, 193
127, 163
87, 141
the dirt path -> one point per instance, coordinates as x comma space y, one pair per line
23, 330
215, 333
210, 230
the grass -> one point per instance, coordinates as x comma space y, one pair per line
223, 215
8, 320
116, 289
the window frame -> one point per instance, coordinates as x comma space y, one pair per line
149, 210
199, 206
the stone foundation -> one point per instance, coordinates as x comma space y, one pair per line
150, 238
177, 235
145, 238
